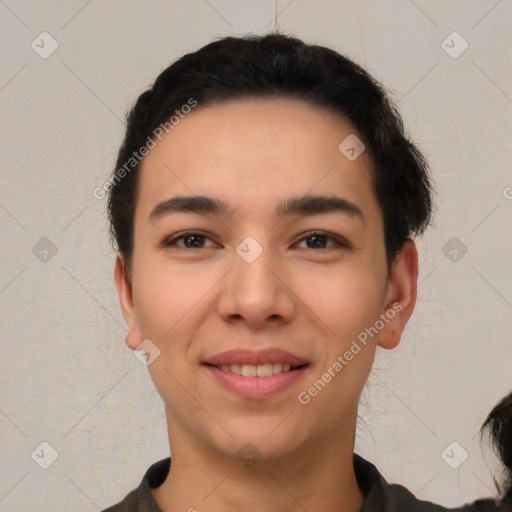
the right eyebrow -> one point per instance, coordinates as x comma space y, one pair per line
190, 204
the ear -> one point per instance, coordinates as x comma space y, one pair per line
124, 290
400, 296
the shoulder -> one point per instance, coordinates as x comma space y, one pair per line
381, 496
141, 499
384, 497
406, 501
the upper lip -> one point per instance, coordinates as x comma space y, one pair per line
256, 357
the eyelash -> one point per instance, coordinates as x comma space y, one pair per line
339, 243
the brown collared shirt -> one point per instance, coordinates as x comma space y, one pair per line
379, 495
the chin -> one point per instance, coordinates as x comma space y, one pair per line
265, 441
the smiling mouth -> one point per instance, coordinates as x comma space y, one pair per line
260, 370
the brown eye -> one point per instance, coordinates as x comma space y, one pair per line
319, 240
191, 240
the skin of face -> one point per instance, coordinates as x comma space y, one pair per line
197, 301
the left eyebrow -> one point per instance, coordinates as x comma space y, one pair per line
301, 205
317, 205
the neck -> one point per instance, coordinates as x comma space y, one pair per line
318, 477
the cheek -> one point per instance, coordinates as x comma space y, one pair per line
167, 300
159, 302
347, 305
344, 300
164, 295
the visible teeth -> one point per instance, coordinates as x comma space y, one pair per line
277, 368
236, 368
248, 370
264, 370
261, 370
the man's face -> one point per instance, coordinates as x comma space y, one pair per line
214, 291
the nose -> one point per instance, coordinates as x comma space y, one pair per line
258, 294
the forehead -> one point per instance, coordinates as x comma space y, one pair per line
255, 152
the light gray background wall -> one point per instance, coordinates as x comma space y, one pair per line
67, 377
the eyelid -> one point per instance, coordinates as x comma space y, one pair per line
339, 241
172, 240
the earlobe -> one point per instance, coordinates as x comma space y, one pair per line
401, 296
125, 293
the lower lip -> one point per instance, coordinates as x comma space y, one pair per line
257, 387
